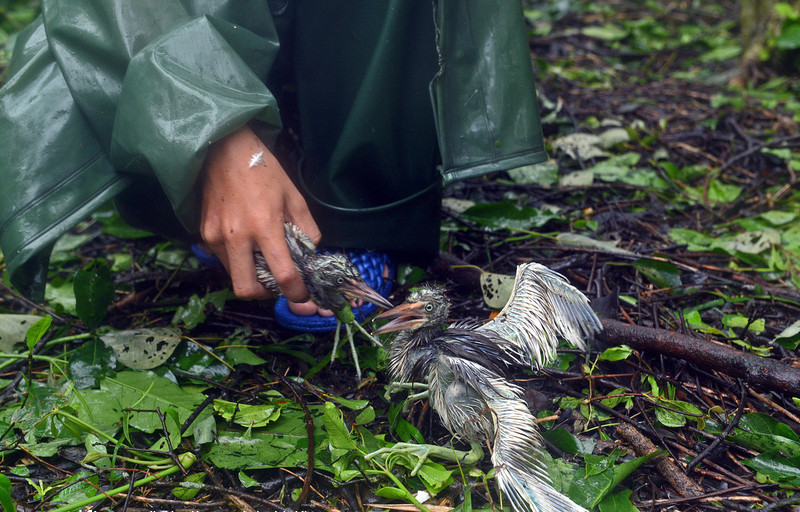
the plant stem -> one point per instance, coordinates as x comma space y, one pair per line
186, 460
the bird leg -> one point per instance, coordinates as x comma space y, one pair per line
423, 451
347, 318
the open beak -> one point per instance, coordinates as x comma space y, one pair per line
404, 316
361, 290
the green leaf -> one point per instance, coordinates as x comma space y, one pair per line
607, 32
253, 416
722, 192
115, 226
90, 363
143, 349
585, 242
13, 330
247, 481
5, 494
43, 401
544, 174
568, 442
618, 353
401, 427
366, 416
355, 405
663, 274
243, 355
776, 467
764, 434
589, 487
756, 326
391, 493
338, 433
199, 361
192, 314
36, 331
779, 217
508, 216
93, 292
621, 169
619, 502
98, 408
147, 391
81, 485
191, 487
790, 337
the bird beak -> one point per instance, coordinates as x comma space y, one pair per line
404, 316
363, 291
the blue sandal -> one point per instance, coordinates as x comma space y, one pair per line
372, 265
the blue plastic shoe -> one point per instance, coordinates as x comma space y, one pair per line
207, 258
372, 266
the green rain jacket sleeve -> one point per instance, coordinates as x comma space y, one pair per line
143, 87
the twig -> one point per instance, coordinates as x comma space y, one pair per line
310, 448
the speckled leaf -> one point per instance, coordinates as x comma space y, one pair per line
143, 349
496, 289
13, 329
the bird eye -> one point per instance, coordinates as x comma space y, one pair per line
429, 307
340, 280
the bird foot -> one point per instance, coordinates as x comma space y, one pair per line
394, 387
423, 451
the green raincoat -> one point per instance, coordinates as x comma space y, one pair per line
389, 100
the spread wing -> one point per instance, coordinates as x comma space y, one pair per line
543, 308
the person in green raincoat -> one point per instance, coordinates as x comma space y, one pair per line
224, 118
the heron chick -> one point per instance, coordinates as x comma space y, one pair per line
467, 368
332, 281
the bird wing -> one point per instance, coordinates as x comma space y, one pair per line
543, 308
300, 245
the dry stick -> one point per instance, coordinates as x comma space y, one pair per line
643, 446
759, 371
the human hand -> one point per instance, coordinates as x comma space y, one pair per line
244, 208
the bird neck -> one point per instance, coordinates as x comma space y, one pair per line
406, 348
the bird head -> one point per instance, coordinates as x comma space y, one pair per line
425, 307
335, 279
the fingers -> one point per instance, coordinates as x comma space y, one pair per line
280, 263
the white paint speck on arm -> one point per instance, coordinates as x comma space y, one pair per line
256, 159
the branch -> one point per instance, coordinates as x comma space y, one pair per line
759, 371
